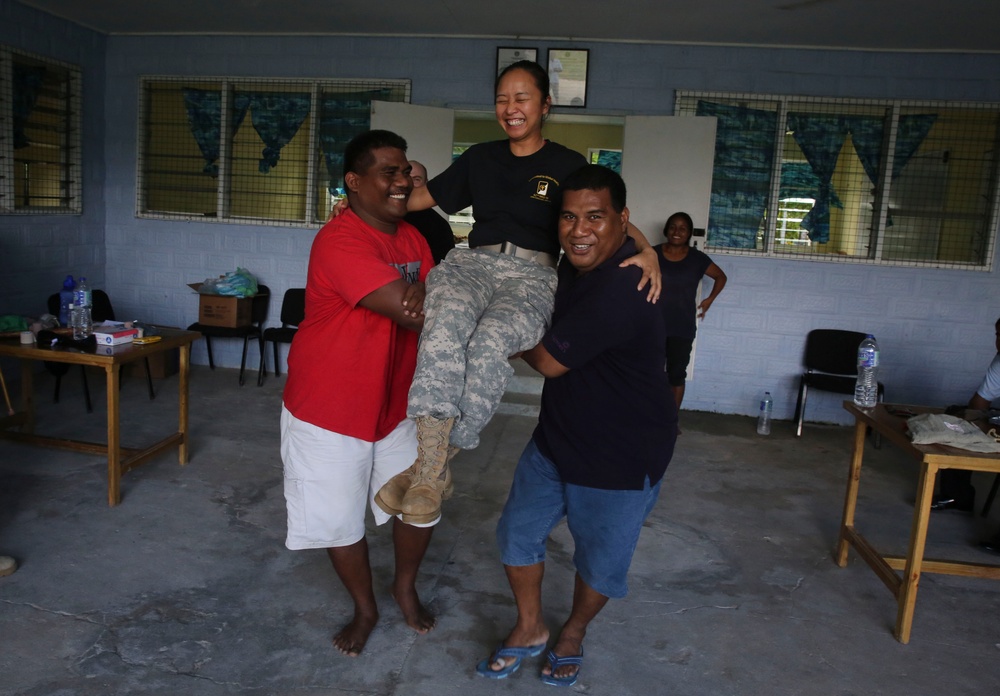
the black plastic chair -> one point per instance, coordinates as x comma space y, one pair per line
293, 311
831, 363
258, 315
100, 311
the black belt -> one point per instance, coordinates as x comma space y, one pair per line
506, 248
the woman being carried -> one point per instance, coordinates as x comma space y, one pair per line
494, 299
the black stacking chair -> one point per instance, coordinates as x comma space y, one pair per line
831, 363
101, 311
293, 311
258, 315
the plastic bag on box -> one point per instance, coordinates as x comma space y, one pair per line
238, 283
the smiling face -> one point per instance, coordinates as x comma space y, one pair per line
520, 106
590, 231
677, 231
378, 194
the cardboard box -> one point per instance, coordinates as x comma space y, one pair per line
107, 336
221, 310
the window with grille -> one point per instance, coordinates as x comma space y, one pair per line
277, 161
40, 161
894, 182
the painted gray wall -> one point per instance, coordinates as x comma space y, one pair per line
37, 251
935, 327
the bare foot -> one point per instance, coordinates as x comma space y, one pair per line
352, 638
414, 613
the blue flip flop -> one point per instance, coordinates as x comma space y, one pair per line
483, 669
555, 662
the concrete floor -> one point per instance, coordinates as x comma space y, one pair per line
186, 587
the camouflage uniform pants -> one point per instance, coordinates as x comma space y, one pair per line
481, 307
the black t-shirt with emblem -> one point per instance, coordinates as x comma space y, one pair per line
514, 199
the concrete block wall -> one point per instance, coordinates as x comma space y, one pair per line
37, 251
935, 327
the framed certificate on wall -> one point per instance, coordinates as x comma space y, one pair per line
568, 76
508, 54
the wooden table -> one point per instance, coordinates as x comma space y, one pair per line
111, 359
932, 458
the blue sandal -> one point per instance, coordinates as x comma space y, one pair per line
555, 662
485, 669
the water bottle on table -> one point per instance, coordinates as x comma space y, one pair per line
866, 388
764, 419
80, 315
66, 299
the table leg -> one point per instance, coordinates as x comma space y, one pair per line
113, 375
28, 396
182, 422
851, 497
915, 554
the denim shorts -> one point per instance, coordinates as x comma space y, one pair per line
605, 524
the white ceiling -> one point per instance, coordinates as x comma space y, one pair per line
917, 25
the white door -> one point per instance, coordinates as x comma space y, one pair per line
428, 131
667, 166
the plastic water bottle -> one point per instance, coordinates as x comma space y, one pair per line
764, 419
66, 299
80, 314
79, 321
866, 388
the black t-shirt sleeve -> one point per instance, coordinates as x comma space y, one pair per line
451, 188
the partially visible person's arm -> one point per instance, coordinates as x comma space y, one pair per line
400, 301
979, 403
989, 390
719, 278
420, 199
647, 261
542, 361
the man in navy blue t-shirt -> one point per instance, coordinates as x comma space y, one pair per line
601, 445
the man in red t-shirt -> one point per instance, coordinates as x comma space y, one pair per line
344, 430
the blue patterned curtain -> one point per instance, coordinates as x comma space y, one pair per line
909, 135
820, 137
741, 175
611, 160
867, 133
204, 109
798, 180
28, 81
341, 117
276, 117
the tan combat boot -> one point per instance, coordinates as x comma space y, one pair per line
390, 496
432, 482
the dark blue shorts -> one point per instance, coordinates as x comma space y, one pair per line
605, 524
678, 358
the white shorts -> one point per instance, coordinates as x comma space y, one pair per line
331, 478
